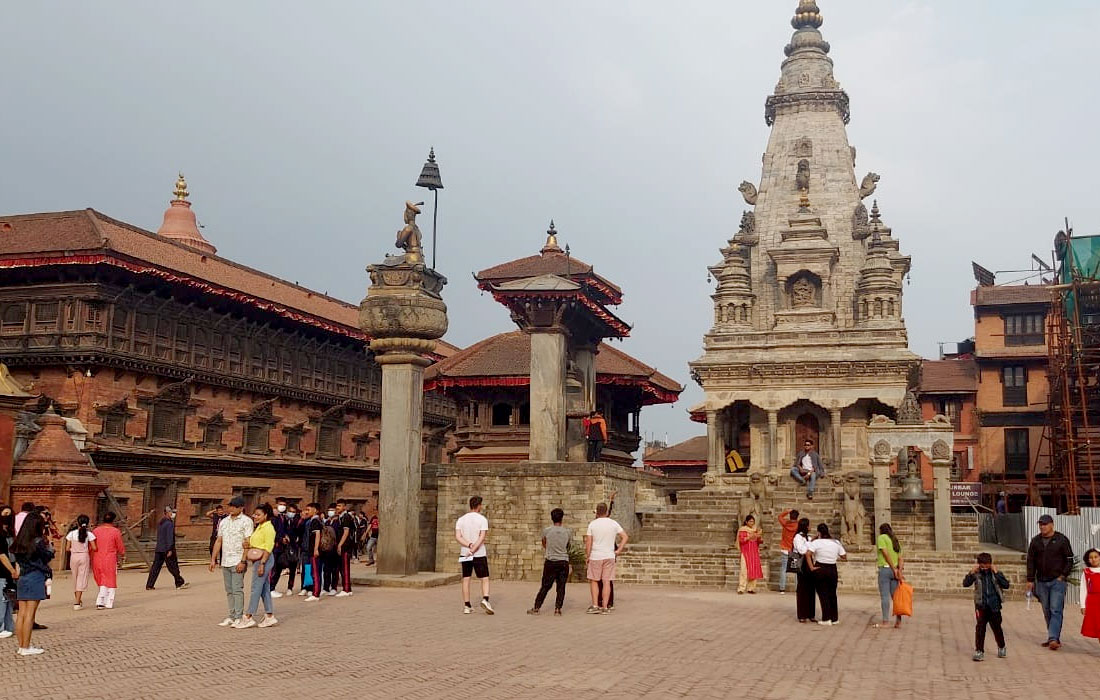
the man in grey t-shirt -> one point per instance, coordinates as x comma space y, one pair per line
555, 540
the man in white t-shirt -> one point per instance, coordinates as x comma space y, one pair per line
233, 530
470, 531
600, 550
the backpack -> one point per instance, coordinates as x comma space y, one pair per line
328, 539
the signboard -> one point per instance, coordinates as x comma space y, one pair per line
963, 493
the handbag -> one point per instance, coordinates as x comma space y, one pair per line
287, 559
794, 562
254, 554
903, 600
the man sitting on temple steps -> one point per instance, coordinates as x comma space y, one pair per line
807, 468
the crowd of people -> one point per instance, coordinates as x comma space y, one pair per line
316, 545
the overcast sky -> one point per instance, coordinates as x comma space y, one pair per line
302, 127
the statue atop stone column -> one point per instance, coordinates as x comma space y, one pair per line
409, 237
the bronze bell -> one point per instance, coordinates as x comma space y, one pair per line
912, 489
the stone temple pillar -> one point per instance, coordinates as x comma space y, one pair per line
547, 395
403, 314
880, 469
580, 405
773, 441
834, 419
941, 485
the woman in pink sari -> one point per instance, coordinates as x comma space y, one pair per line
748, 541
106, 560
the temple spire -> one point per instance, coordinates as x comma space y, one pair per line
180, 224
807, 15
551, 240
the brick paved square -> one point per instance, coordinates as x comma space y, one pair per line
393, 643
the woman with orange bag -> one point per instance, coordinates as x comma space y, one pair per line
889, 572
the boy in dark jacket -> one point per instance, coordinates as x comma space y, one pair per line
988, 583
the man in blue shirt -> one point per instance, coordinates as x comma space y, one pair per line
165, 553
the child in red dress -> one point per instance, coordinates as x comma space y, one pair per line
1090, 594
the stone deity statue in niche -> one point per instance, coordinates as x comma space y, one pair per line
803, 294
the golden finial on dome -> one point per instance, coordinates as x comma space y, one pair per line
181, 189
808, 15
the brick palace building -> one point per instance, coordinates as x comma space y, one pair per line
195, 377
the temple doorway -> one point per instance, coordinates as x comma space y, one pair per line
806, 427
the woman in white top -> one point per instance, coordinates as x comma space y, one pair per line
804, 595
80, 544
823, 554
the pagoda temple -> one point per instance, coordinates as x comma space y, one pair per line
809, 338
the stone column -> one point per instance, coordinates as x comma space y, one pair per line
773, 440
399, 462
403, 314
576, 442
715, 457
880, 469
586, 365
941, 481
547, 395
834, 419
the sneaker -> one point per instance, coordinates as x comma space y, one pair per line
30, 651
5, 634
268, 621
604, 611
276, 594
979, 656
243, 623
101, 607
533, 611
343, 594
332, 593
466, 610
557, 611
824, 622
488, 608
183, 586
782, 593
610, 609
77, 606
1002, 653
226, 622
310, 598
1055, 645
809, 497
593, 610
304, 591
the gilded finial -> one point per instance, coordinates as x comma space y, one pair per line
807, 15
551, 240
804, 201
181, 189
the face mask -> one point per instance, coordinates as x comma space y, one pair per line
292, 515
332, 514
280, 508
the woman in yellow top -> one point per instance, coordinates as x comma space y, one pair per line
258, 548
889, 571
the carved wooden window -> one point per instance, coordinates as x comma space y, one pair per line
201, 506
319, 374
257, 436
70, 316
293, 442
13, 319
1024, 329
183, 342
168, 421
305, 370
361, 443
45, 316
114, 424
286, 361
234, 354
272, 365
251, 495
328, 439
212, 435
256, 364
95, 316
200, 348
143, 331
217, 351
341, 378
1017, 450
163, 339
120, 329
1014, 378
951, 408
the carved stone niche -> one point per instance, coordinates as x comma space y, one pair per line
804, 291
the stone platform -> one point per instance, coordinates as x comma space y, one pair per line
422, 579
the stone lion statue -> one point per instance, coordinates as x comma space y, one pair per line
852, 512
748, 191
748, 222
869, 185
754, 500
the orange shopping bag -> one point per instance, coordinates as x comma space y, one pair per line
903, 600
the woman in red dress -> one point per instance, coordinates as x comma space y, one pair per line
1090, 594
748, 541
106, 560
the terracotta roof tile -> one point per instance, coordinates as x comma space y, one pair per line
948, 376
690, 450
509, 355
1012, 294
52, 234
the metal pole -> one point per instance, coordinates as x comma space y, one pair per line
435, 214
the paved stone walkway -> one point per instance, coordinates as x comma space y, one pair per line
660, 643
